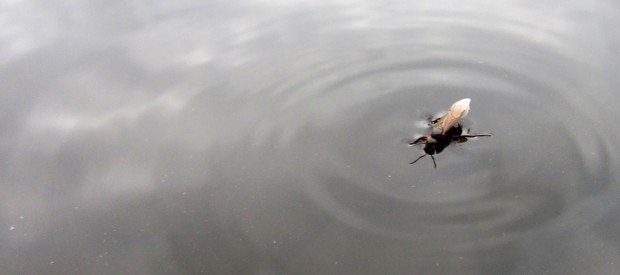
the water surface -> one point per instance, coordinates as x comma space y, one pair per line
261, 137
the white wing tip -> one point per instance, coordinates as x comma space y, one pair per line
462, 104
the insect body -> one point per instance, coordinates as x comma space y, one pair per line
446, 130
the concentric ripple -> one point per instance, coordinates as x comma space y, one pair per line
332, 135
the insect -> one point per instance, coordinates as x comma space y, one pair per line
446, 130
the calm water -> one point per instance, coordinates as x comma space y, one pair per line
269, 137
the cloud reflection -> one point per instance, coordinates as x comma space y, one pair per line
259, 137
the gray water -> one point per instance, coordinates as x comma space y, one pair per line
270, 137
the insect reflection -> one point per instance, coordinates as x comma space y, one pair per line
446, 130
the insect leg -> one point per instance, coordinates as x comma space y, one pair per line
434, 163
418, 140
478, 135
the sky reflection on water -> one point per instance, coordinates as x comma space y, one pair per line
262, 137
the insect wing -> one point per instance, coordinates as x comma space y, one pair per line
458, 110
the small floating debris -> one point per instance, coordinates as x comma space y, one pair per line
446, 130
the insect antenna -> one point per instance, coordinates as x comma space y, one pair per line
434, 163
420, 158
